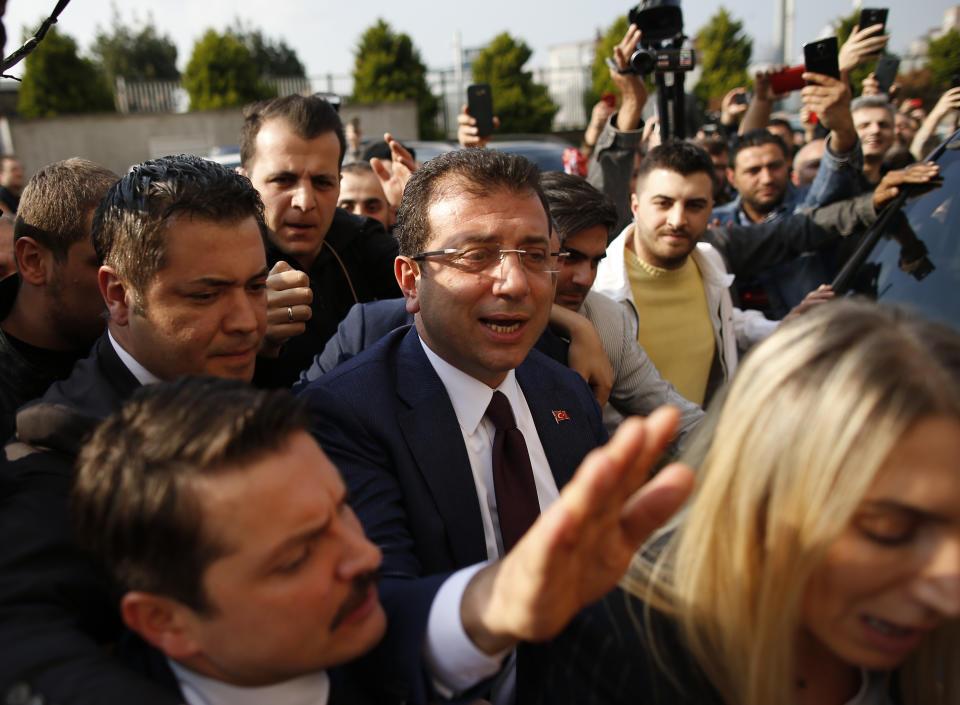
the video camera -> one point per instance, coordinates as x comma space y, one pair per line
661, 24
661, 52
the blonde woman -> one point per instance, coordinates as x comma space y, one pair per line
819, 558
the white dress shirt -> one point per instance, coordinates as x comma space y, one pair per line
455, 663
311, 689
143, 375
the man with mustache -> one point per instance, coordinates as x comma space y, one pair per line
240, 565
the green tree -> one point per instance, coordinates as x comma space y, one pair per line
387, 67
521, 104
57, 81
723, 52
943, 59
135, 52
273, 57
223, 73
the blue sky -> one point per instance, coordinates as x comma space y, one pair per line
325, 32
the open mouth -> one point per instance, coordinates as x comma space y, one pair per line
503, 326
887, 628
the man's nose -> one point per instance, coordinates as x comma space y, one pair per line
243, 312
677, 217
359, 555
583, 273
303, 196
513, 277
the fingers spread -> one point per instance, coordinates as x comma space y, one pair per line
651, 507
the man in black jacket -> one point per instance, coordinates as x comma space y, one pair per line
183, 275
51, 311
227, 532
292, 149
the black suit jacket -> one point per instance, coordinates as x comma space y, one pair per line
56, 608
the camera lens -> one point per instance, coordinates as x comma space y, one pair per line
643, 61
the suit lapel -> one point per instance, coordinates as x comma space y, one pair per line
565, 440
433, 434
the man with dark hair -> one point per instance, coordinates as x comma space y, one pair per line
584, 218
760, 172
11, 183
781, 127
292, 149
453, 435
677, 287
227, 532
719, 150
183, 275
362, 194
52, 312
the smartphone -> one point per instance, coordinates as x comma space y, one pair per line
480, 105
740, 99
821, 57
610, 99
787, 80
886, 71
871, 16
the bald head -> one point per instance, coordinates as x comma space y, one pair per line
807, 161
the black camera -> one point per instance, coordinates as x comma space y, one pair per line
646, 61
661, 24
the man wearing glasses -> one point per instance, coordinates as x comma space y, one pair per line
424, 426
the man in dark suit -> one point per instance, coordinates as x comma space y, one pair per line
227, 531
183, 276
412, 424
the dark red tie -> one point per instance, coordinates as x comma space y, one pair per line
516, 492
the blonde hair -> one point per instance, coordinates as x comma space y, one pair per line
799, 437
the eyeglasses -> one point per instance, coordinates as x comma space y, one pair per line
536, 260
576, 257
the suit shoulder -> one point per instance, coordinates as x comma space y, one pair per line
369, 367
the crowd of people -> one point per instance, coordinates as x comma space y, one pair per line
341, 427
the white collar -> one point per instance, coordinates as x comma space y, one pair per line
470, 397
143, 375
311, 689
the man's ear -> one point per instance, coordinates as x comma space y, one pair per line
33, 260
243, 172
730, 174
161, 621
407, 273
117, 295
634, 203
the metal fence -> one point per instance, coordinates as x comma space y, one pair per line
566, 87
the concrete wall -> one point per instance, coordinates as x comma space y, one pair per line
118, 141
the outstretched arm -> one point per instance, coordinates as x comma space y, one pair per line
581, 546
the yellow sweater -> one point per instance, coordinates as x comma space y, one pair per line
675, 327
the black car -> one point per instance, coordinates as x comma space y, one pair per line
912, 255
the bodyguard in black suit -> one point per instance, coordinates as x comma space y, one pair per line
228, 535
405, 422
185, 295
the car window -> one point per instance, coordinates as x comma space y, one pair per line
928, 285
